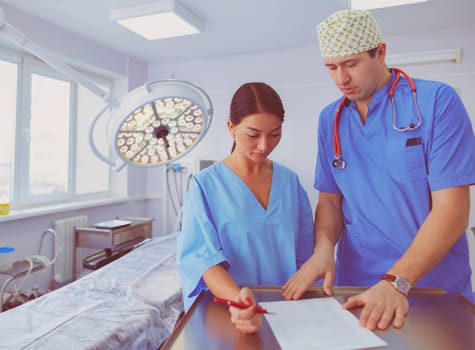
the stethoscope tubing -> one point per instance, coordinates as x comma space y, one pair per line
338, 161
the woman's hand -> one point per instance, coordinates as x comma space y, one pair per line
246, 320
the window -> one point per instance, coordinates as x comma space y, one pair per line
8, 88
45, 157
49, 129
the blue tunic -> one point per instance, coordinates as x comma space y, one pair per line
223, 222
390, 175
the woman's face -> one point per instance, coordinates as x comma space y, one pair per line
256, 135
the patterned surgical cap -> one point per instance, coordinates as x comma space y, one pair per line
347, 33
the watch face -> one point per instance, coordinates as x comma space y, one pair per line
402, 285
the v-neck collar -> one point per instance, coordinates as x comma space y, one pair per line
241, 183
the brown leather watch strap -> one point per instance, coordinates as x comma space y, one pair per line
399, 283
388, 277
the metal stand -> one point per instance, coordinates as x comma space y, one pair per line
28, 265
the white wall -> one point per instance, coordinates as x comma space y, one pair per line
305, 87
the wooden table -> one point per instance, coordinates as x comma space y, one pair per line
436, 321
101, 238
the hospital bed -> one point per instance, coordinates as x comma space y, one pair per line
131, 303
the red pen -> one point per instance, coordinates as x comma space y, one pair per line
259, 309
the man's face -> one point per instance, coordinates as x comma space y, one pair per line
358, 76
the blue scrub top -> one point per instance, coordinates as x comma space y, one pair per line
223, 222
389, 177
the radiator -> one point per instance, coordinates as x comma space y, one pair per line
64, 265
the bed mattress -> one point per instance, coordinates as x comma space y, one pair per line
131, 303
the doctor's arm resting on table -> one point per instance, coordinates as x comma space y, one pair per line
447, 207
246, 219
382, 303
328, 226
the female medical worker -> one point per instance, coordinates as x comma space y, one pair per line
393, 176
246, 220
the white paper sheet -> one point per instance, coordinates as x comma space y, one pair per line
318, 323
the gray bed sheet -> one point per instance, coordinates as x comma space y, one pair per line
131, 303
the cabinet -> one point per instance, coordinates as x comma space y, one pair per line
101, 238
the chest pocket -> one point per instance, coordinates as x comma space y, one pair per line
405, 159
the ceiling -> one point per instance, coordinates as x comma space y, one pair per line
239, 26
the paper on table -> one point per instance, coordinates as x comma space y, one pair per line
318, 323
112, 223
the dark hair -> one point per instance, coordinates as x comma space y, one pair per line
254, 97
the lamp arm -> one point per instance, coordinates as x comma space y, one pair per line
209, 109
8, 32
117, 166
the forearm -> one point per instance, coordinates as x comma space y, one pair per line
444, 225
328, 227
221, 283
328, 222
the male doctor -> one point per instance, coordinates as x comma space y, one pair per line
393, 179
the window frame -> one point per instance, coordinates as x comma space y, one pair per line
22, 195
20, 192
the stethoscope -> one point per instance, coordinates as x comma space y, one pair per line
338, 161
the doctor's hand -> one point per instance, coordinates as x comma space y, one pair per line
246, 320
319, 265
382, 305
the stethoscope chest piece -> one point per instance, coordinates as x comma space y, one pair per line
339, 163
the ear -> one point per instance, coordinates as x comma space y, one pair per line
381, 51
231, 128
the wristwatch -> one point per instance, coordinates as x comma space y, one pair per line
399, 283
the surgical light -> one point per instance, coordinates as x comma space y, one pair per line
152, 125
157, 123
158, 19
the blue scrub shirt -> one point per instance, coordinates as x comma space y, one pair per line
389, 177
223, 222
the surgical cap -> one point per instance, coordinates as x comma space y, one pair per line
347, 33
